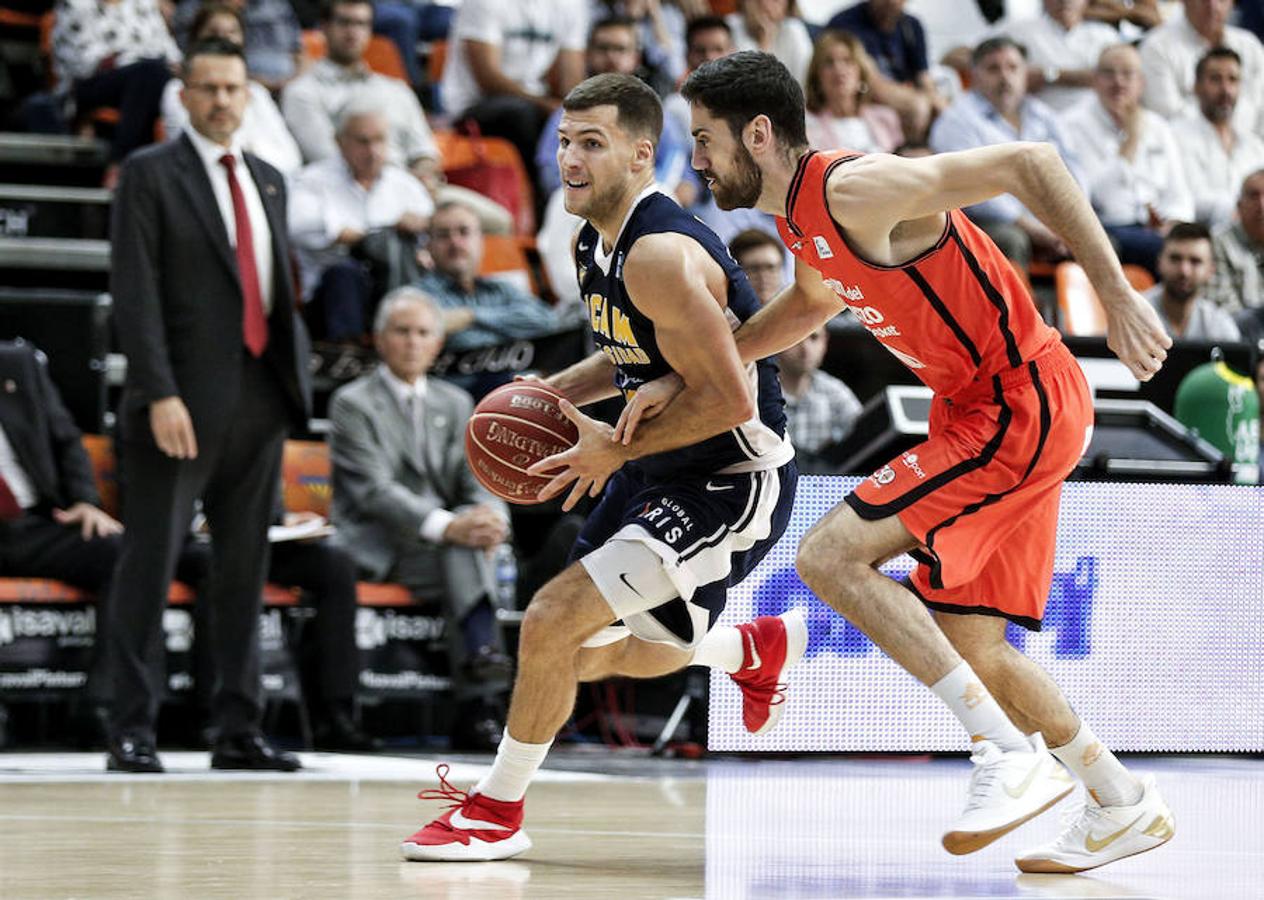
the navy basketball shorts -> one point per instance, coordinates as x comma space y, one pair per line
663, 551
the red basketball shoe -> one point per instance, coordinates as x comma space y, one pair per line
770, 646
474, 829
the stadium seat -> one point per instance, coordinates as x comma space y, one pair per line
382, 56
478, 163
505, 256
1079, 308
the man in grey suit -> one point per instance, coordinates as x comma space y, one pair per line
216, 377
407, 505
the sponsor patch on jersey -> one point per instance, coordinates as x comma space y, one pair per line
885, 475
910, 460
822, 247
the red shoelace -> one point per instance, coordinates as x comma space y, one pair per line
454, 796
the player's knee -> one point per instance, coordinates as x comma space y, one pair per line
545, 622
821, 556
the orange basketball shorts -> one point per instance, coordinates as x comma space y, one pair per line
981, 493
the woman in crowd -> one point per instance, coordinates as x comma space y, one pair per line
840, 107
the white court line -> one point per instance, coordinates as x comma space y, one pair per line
284, 823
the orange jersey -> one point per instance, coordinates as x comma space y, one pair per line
956, 314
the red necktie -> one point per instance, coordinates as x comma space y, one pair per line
254, 327
9, 506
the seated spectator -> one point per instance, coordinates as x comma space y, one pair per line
327, 576
1185, 268
263, 131
51, 521
274, 42
476, 311
1127, 16
613, 48
896, 42
839, 99
773, 26
408, 508
313, 102
762, 257
1217, 152
820, 409
115, 53
1239, 252
340, 209
1170, 53
706, 38
997, 109
1062, 51
510, 64
1131, 164
660, 28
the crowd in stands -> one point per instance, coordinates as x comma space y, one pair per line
364, 178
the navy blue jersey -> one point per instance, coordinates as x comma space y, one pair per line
627, 338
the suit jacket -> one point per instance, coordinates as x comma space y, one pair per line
40, 429
384, 483
177, 292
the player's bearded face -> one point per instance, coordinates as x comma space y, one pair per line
740, 188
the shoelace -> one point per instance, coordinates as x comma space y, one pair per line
447, 791
982, 780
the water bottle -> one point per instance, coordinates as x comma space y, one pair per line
506, 568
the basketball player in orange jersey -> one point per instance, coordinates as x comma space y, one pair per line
976, 505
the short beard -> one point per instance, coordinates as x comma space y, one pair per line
746, 186
1180, 295
600, 206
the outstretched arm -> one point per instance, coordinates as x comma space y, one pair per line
871, 196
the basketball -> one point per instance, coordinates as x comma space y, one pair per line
512, 428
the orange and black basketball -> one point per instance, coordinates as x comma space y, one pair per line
512, 428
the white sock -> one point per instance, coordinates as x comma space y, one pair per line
720, 648
1101, 771
514, 767
977, 710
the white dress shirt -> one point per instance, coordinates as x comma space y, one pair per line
15, 475
325, 199
263, 131
411, 397
313, 101
1168, 57
792, 45
1049, 45
529, 34
1215, 177
211, 152
1122, 191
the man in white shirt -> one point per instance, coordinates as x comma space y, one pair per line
1062, 51
1170, 53
1217, 152
1239, 252
407, 506
336, 203
1185, 268
1131, 162
510, 64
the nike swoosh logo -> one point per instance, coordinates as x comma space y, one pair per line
1023, 785
582, 247
459, 821
1092, 845
756, 662
712, 486
624, 578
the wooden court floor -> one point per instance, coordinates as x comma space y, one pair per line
725, 829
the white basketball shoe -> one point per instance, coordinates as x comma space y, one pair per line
1102, 834
1006, 789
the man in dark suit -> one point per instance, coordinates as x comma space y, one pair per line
51, 523
217, 375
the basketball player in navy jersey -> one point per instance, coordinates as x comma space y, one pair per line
684, 512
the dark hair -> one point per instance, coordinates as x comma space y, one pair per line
211, 47
327, 7
640, 112
746, 84
1187, 231
208, 11
992, 44
1216, 53
613, 22
751, 238
705, 23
